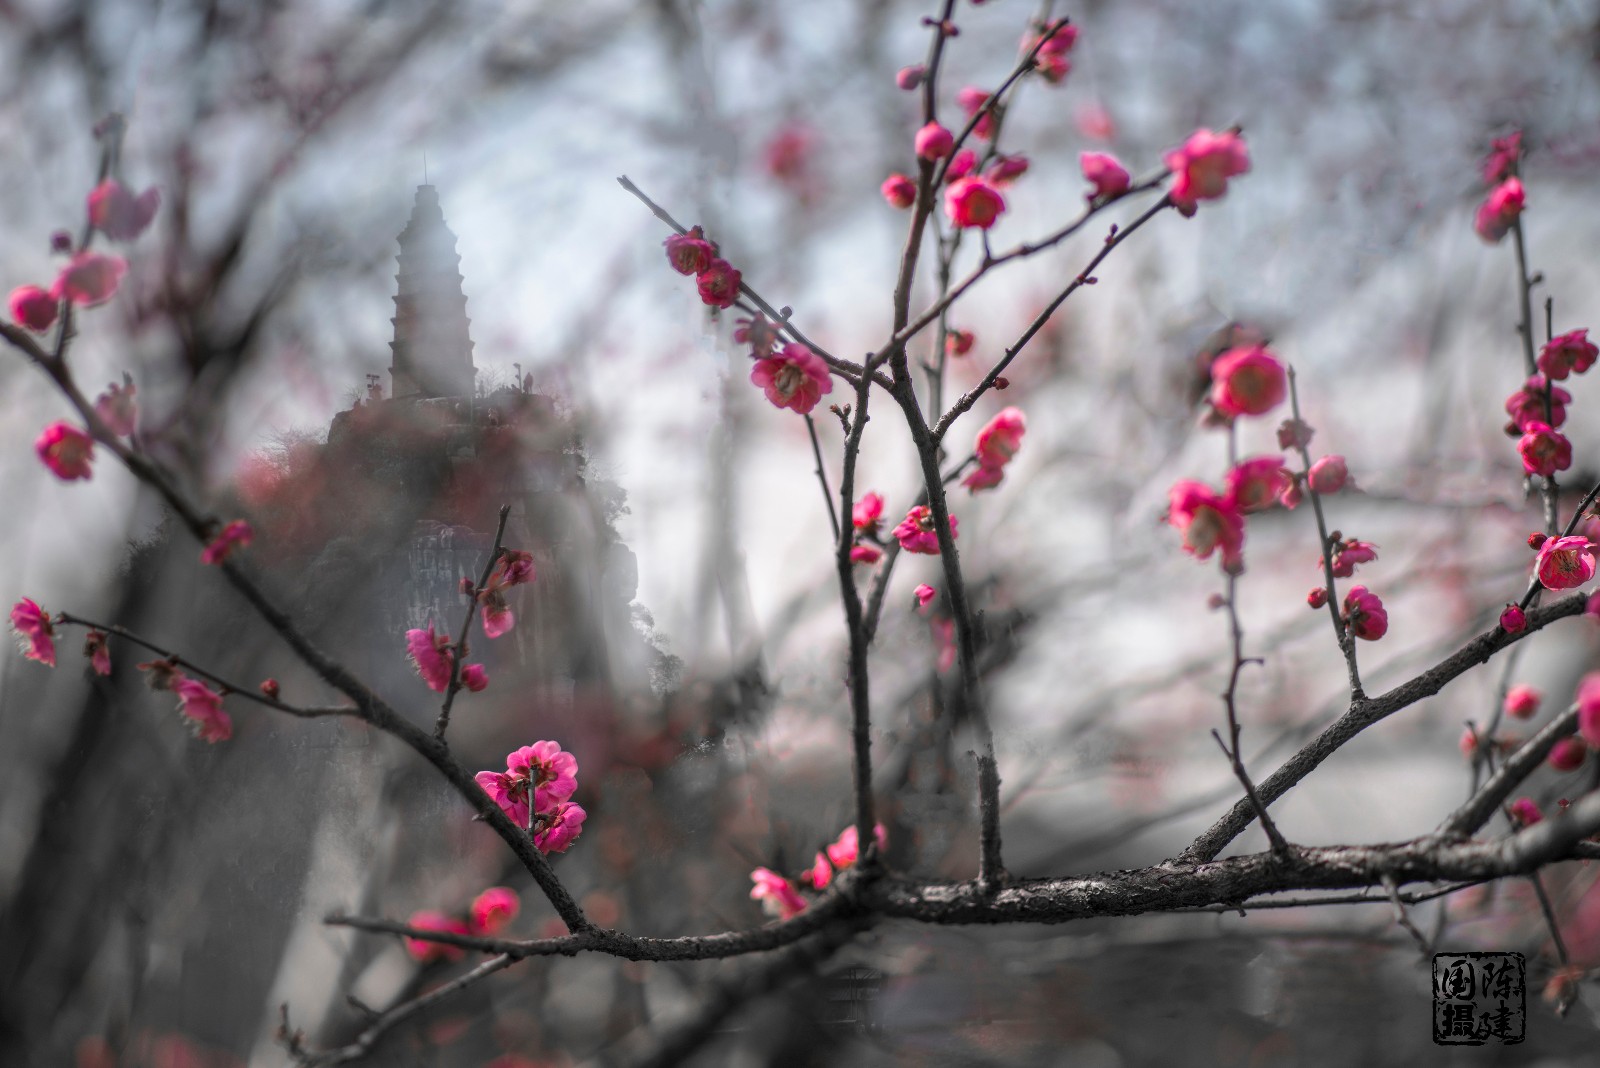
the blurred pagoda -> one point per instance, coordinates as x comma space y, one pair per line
417, 479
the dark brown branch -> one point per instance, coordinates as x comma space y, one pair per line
368, 705
1529, 755
1364, 713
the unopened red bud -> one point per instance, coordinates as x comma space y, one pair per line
60, 241
1317, 597
1512, 430
1568, 754
1002, 382
1215, 601
466, 586
1513, 620
269, 687
1536, 539
909, 78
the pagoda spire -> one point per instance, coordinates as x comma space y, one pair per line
432, 347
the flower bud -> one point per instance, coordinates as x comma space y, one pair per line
1317, 597
1536, 539
1513, 620
269, 687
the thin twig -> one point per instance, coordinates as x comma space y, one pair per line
459, 653
368, 1038
1342, 633
822, 476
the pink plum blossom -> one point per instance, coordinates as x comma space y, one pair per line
924, 594
1544, 450
1569, 353
474, 678
899, 191
1051, 59
1351, 553
982, 478
934, 142
432, 655
117, 213
756, 332
1095, 122
867, 513
916, 534
492, 910
1208, 521
66, 451
91, 278
1248, 381
1589, 709
561, 827
842, 853
33, 308
1525, 811
1568, 754
1202, 165
236, 535
961, 165
1364, 614
1527, 404
795, 378
1294, 434
515, 568
972, 100
1522, 701
1328, 475
1257, 483
865, 554
1005, 170
973, 202
1513, 620
203, 707
33, 626
1503, 155
424, 951
719, 284
497, 616
1000, 438
690, 253
788, 154
95, 648
777, 895
542, 769
1101, 170
1500, 210
117, 408
1564, 563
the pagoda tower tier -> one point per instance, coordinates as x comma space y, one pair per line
432, 346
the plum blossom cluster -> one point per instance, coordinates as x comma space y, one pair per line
89, 278
433, 654
535, 791
1506, 198
199, 704
781, 897
973, 197
514, 568
996, 444
1249, 380
716, 278
486, 917
1202, 165
1538, 408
